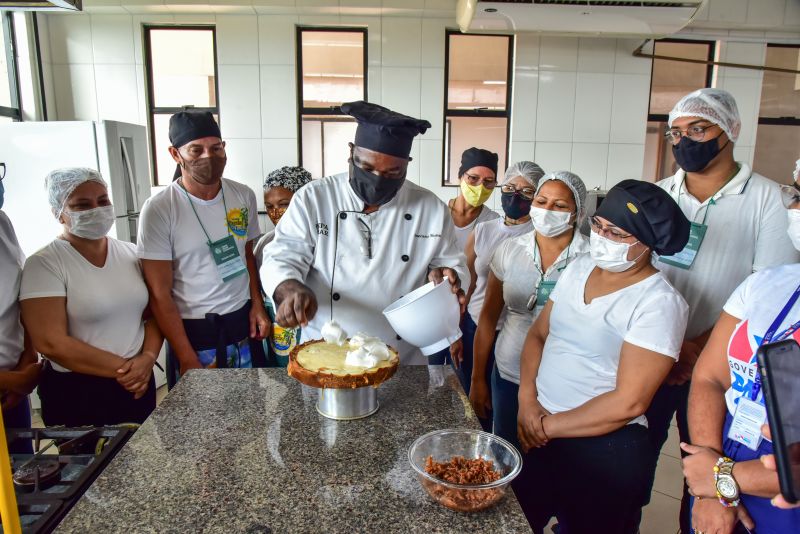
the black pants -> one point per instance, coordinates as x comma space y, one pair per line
76, 399
592, 485
669, 401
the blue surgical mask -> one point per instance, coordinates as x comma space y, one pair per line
694, 156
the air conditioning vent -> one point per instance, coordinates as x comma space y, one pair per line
42, 5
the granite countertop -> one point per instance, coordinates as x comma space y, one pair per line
244, 450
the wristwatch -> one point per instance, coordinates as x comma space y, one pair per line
726, 486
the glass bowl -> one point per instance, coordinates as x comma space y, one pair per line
442, 445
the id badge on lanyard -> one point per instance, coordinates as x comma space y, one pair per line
685, 258
224, 251
226, 256
750, 414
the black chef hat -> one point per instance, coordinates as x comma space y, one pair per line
384, 130
186, 126
649, 213
477, 157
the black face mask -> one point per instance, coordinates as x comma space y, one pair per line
694, 156
515, 205
374, 190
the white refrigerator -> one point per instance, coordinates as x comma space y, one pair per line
31, 150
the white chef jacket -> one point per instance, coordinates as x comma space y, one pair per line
322, 241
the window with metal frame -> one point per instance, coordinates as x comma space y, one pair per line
331, 70
181, 66
778, 133
670, 81
10, 109
477, 98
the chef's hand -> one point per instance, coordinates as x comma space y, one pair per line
457, 353
710, 517
260, 325
438, 274
480, 397
298, 305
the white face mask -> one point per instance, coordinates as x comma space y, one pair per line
91, 224
610, 255
794, 227
550, 223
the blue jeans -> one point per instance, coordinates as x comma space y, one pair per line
504, 408
19, 417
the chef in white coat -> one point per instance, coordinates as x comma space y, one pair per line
351, 244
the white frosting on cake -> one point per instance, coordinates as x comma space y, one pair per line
367, 351
333, 333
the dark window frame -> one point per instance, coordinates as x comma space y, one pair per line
478, 112
331, 111
659, 117
10, 40
153, 110
779, 121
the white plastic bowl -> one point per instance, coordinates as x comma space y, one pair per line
427, 317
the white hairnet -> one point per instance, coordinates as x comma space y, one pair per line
62, 182
575, 184
714, 105
528, 170
796, 173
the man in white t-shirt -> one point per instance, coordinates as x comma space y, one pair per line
738, 227
19, 372
196, 244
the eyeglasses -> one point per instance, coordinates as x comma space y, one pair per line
695, 133
790, 195
474, 179
612, 231
526, 192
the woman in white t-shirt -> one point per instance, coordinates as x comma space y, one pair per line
84, 302
592, 361
517, 192
724, 380
524, 270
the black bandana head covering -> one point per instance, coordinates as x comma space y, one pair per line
477, 157
383, 130
649, 213
291, 178
186, 126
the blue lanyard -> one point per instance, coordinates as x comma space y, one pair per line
770, 335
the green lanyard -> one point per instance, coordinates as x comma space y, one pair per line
194, 210
712, 201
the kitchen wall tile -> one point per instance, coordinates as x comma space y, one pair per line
141, 94
431, 107
245, 165
629, 108
523, 106
276, 39
593, 97
744, 53
433, 42
521, 151
402, 42
596, 54
70, 39
430, 163
117, 97
728, 11
744, 154
526, 53
792, 14
555, 106
75, 92
626, 63
197, 18
767, 13
319, 20
589, 161
624, 162
237, 40
747, 92
553, 156
112, 39
558, 53
278, 102
400, 89
239, 100
374, 85
374, 45
278, 152
414, 168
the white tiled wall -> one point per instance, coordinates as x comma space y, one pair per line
578, 103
